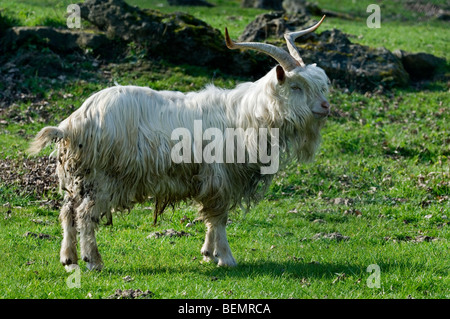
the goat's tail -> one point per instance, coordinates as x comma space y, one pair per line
46, 136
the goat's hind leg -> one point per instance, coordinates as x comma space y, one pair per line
68, 254
88, 217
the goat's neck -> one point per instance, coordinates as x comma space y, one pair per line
255, 104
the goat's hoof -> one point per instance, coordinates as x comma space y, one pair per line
92, 266
66, 262
227, 262
205, 252
68, 258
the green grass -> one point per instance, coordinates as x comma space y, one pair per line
381, 178
36, 12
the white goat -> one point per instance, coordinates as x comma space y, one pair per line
115, 150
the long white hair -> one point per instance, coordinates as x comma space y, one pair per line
120, 138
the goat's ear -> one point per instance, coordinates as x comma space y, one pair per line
281, 76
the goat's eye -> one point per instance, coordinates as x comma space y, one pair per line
296, 88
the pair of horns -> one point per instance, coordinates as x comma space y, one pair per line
288, 61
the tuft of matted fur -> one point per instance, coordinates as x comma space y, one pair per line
44, 137
115, 151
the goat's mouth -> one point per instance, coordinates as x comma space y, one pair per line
321, 115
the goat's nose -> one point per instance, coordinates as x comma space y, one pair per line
325, 105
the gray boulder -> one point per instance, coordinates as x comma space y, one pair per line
293, 7
420, 65
443, 15
178, 37
273, 24
353, 65
311, 8
301, 7
58, 40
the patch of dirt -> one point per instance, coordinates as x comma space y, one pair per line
417, 239
40, 235
168, 233
27, 73
341, 201
430, 9
34, 176
131, 294
333, 236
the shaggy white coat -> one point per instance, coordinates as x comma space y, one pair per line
115, 151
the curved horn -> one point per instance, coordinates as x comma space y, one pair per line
285, 59
290, 40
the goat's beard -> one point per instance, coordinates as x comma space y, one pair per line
301, 139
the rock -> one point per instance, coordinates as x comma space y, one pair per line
443, 15
295, 6
178, 37
120, 20
354, 65
51, 54
57, 40
420, 65
200, 3
311, 8
262, 4
301, 7
60, 40
273, 24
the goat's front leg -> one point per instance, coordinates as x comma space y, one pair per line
222, 249
216, 239
208, 247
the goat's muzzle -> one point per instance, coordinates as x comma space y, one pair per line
322, 111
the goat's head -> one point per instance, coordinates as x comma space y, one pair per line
305, 87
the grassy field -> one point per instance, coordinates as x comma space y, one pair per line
381, 179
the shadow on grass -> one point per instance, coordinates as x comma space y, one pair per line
286, 269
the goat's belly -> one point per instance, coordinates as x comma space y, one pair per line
177, 187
